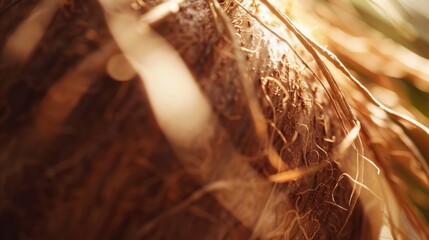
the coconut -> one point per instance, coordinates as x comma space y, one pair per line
184, 120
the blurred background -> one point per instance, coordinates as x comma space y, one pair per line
385, 43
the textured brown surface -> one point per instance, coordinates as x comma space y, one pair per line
109, 170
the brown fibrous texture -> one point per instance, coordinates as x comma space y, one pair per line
84, 157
